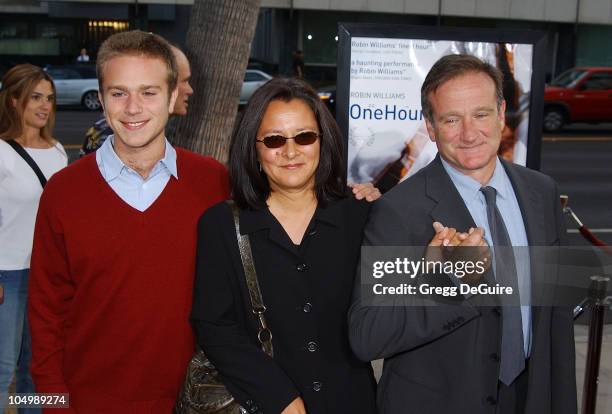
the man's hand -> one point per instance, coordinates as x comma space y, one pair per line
450, 245
472, 248
295, 407
445, 236
365, 190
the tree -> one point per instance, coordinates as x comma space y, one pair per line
218, 46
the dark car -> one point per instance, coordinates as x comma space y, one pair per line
579, 95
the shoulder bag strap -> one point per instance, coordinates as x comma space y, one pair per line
244, 245
26, 157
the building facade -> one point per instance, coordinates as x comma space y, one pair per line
53, 32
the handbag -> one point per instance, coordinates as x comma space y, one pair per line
203, 392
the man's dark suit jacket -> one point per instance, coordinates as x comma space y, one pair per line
445, 359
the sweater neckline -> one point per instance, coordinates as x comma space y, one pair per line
124, 205
54, 147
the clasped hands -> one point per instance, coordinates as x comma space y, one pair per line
449, 244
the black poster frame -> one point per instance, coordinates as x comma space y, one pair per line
346, 31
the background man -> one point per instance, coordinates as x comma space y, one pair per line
469, 358
110, 292
100, 130
83, 56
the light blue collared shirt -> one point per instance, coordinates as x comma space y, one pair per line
509, 208
127, 183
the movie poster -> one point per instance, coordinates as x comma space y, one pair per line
387, 139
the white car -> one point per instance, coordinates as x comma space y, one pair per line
76, 85
253, 79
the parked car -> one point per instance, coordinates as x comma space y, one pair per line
76, 85
579, 95
253, 79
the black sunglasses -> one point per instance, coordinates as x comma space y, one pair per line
277, 141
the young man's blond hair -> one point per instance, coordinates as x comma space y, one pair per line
137, 43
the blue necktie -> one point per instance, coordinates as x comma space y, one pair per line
512, 352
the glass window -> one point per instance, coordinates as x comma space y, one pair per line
54, 30
57, 74
598, 81
48, 31
568, 79
63, 73
253, 77
86, 71
594, 47
17, 30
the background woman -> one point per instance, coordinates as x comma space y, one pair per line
287, 174
27, 114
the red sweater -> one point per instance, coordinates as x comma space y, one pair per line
111, 287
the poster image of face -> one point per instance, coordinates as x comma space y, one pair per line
387, 136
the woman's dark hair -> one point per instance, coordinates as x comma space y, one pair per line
250, 187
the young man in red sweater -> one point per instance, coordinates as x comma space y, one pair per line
114, 246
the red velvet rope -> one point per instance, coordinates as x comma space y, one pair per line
594, 240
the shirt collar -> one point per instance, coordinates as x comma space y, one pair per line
169, 160
113, 165
469, 188
500, 180
254, 220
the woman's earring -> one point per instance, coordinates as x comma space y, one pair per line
259, 166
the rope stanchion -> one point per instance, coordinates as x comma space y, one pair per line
597, 303
584, 230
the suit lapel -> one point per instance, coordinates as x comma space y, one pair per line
449, 208
530, 202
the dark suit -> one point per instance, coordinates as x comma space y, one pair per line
446, 358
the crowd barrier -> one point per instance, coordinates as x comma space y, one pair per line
597, 302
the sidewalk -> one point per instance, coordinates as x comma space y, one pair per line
604, 388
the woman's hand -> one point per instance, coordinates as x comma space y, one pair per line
365, 190
295, 407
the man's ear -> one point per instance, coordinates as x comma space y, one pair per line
172, 102
430, 130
